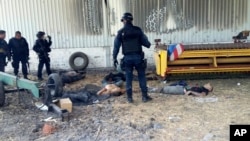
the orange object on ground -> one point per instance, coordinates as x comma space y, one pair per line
48, 129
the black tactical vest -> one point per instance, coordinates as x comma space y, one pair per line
131, 40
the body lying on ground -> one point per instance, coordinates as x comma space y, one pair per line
111, 89
182, 90
114, 78
85, 96
71, 76
112, 84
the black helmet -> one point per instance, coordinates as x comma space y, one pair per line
40, 34
127, 17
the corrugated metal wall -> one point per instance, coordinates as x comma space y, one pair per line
71, 23
187, 21
93, 23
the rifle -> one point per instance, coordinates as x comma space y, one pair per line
28, 65
45, 54
6, 62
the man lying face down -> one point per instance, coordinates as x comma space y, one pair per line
71, 76
181, 90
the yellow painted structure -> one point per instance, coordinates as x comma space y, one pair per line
214, 58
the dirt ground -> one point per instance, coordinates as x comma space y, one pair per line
166, 118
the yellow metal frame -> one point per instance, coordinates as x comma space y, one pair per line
215, 60
160, 57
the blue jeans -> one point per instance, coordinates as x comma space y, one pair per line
131, 62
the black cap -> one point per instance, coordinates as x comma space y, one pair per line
40, 34
2, 31
127, 17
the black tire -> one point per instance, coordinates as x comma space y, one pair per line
2, 95
55, 85
78, 55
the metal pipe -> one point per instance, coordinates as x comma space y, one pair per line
234, 60
191, 61
210, 61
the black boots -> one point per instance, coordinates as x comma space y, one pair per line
130, 100
25, 77
146, 98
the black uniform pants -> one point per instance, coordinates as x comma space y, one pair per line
2, 62
16, 62
43, 61
131, 62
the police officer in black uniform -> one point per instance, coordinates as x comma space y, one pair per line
42, 48
4, 51
132, 38
19, 49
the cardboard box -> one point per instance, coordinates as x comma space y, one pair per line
65, 103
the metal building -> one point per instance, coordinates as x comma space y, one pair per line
90, 25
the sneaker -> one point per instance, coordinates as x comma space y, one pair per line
146, 98
130, 100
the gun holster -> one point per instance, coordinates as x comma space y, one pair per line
122, 64
144, 63
142, 55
